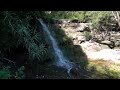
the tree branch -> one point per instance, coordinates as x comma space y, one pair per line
9, 60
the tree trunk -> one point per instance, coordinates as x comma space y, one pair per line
116, 14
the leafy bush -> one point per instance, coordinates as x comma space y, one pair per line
20, 73
88, 35
81, 15
16, 30
94, 17
5, 73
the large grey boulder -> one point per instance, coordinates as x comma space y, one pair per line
105, 54
96, 51
117, 43
83, 27
81, 38
89, 46
106, 42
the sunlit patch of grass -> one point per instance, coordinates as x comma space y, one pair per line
104, 70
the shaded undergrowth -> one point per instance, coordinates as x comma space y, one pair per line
21, 40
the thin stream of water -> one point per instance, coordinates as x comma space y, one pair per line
61, 60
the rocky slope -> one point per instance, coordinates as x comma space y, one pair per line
97, 45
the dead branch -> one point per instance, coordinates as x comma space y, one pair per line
9, 60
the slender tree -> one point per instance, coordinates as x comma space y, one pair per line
116, 14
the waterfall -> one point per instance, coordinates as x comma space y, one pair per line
61, 60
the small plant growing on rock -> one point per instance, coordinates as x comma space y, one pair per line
87, 35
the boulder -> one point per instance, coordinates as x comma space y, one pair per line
63, 22
117, 43
73, 35
83, 27
106, 42
75, 21
89, 46
81, 39
75, 25
112, 38
58, 22
96, 51
105, 54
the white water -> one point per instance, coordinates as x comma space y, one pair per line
61, 60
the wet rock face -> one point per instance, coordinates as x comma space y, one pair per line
78, 71
74, 71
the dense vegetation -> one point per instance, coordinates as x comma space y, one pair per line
95, 17
19, 32
21, 35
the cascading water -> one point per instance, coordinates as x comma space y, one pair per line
61, 60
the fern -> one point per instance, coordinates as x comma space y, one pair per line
17, 24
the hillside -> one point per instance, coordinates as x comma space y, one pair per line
66, 45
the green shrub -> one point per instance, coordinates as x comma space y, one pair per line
16, 30
20, 73
88, 35
81, 15
5, 73
95, 17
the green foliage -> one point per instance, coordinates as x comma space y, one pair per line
88, 35
94, 17
68, 15
20, 73
16, 30
5, 73
6, 41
